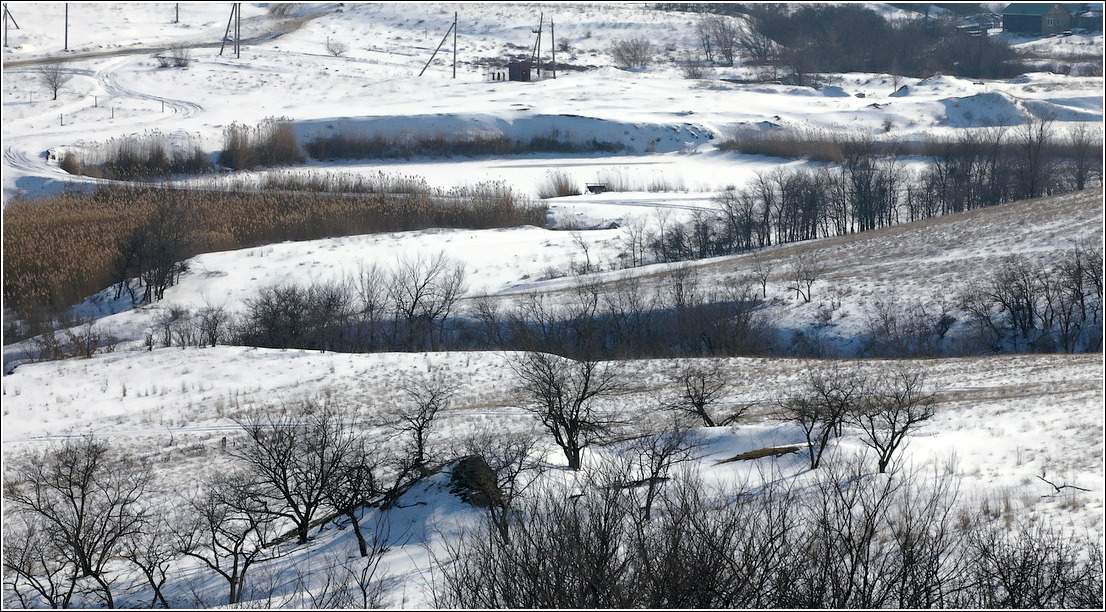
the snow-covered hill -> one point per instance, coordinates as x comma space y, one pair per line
1001, 422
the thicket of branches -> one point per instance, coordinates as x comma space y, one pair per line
820, 38
418, 306
851, 539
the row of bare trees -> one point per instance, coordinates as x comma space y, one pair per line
1045, 307
872, 189
418, 306
848, 539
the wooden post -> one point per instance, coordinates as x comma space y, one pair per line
66, 26
553, 47
226, 33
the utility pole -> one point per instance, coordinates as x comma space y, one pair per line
66, 26
177, 18
452, 28
236, 21
8, 17
553, 47
535, 57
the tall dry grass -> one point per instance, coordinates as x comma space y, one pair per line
269, 143
61, 249
152, 155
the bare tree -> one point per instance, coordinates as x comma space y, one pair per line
756, 46
35, 572
703, 34
821, 406
652, 458
355, 485
562, 393
213, 323
634, 240
511, 460
53, 76
229, 529
699, 389
1036, 156
805, 271
428, 397
83, 504
373, 294
293, 458
762, 270
727, 37
152, 550
1086, 152
893, 406
424, 292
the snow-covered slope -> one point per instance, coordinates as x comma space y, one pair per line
1001, 421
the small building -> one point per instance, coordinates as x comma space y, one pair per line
1036, 18
518, 70
1087, 17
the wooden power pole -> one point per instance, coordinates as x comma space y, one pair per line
452, 28
8, 17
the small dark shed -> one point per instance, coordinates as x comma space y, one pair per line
1088, 18
518, 71
1036, 18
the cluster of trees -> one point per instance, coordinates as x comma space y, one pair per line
85, 526
818, 38
849, 539
1026, 305
417, 306
1023, 306
871, 189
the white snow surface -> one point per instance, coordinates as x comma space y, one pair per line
1002, 421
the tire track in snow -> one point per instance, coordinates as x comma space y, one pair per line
20, 153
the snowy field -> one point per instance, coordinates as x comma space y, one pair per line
1001, 423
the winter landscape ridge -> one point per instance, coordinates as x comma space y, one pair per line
1020, 431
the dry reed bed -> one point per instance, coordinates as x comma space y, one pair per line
61, 249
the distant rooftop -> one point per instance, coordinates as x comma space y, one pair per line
1040, 8
1031, 8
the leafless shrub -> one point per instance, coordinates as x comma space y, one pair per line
336, 48
181, 56
632, 53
